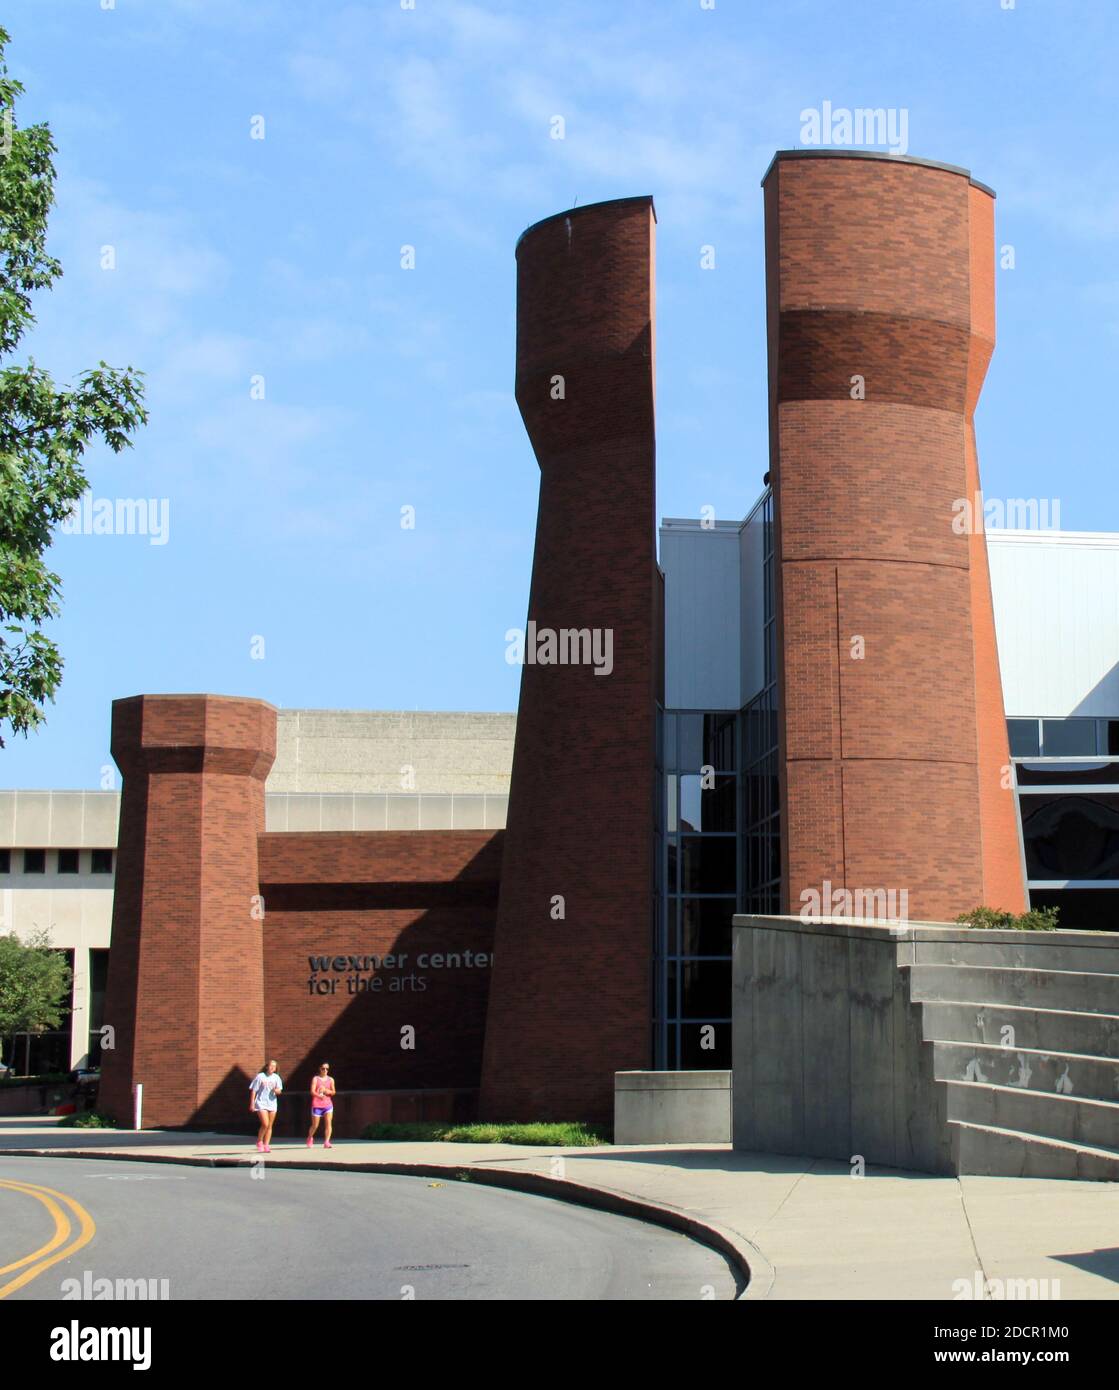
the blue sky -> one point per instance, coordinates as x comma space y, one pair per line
280, 257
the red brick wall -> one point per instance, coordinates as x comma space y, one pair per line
890, 764
185, 991
570, 1000
411, 895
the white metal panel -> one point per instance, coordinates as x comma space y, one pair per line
701, 616
1056, 601
753, 604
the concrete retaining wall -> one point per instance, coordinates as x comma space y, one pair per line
828, 1055
877, 1040
672, 1107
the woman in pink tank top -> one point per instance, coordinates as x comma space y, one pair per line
322, 1104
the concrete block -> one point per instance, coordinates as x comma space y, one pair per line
682, 1107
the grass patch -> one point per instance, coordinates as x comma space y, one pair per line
87, 1119
557, 1135
991, 919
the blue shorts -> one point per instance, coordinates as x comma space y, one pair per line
319, 1110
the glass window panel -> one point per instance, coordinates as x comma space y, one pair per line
708, 808
1063, 738
691, 741
1071, 836
773, 845
669, 740
707, 864
705, 1047
705, 989
707, 740
670, 799
719, 742
1025, 738
705, 926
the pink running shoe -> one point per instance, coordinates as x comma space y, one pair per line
328, 1145
259, 1147
268, 1148
310, 1142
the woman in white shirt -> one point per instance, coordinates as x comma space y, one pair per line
263, 1091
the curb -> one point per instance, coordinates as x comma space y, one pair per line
748, 1262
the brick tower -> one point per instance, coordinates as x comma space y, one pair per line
185, 992
570, 995
894, 756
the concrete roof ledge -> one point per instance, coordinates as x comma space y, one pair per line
926, 931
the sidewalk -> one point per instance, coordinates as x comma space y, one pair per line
805, 1228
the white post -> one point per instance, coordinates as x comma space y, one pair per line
139, 1110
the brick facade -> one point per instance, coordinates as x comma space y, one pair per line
570, 1000
217, 924
893, 753
186, 979
424, 904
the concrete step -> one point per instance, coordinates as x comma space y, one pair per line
1068, 1118
985, 1150
1055, 1073
1027, 950
1081, 991
1052, 1030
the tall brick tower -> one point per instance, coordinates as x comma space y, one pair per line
894, 756
185, 992
571, 988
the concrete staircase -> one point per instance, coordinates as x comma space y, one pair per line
1025, 1050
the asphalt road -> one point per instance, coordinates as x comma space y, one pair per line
217, 1233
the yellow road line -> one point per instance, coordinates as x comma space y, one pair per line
49, 1253
62, 1227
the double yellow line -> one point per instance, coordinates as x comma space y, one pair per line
57, 1248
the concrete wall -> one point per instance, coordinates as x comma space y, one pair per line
68, 820
392, 751
386, 811
927, 1046
828, 1053
672, 1107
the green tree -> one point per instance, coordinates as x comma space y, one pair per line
34, 984
44, 429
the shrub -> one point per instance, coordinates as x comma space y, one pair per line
87, 1119
991, 919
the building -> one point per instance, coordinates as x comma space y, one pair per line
334, 770
806, 702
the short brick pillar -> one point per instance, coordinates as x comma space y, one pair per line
185, 994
